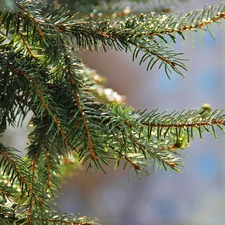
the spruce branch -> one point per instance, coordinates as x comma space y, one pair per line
77, 97
161, 133
41, 73
148, 34
190, 121
7, 193
16, 171
145, 33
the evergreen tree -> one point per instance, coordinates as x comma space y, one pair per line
40, 72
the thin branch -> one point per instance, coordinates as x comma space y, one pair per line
31, 18
183, 125
48, 167
77, 97
39, 92
22, 178
136, 167
26, 45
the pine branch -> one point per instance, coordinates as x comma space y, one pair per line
146, 34
110, 35
40, 72
17, 172
122, 36
157, 135
189, 121
7, 193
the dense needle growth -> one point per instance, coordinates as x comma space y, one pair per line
40, 72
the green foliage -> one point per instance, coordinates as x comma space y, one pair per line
74, 118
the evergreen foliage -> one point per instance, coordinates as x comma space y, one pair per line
41, 72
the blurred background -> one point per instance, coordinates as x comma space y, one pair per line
194, 197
